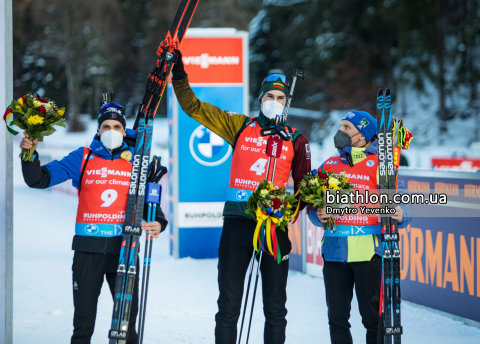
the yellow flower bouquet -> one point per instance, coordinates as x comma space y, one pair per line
314, 186
37, 116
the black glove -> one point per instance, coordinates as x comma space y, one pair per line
178, 70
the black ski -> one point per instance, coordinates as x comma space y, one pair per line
383, 187
157, 81
387, 148
393, 160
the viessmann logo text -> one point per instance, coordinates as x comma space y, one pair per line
104, 172
205, 60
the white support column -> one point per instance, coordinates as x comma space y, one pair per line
6, 176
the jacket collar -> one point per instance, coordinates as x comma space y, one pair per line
264, 121
350, 152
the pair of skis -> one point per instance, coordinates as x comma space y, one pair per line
157, 81
277, 134
388, 160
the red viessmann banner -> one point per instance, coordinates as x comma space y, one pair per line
213, 60
456, 164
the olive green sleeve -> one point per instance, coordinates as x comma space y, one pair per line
223, 123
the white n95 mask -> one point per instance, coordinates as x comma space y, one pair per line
271, 108
111, 139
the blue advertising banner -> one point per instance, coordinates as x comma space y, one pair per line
441, 247
216, 61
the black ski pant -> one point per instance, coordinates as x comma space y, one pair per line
340, 279
88, 272
235, 252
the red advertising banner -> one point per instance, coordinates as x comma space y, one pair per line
456, 164
213, 59
314, 247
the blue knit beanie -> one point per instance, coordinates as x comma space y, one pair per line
364, 122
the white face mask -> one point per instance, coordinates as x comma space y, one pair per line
271, 108
111, 139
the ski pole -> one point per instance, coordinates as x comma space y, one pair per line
252, 262
146, 275
296, 73
154, 191
274, 150
254, 293
141, 317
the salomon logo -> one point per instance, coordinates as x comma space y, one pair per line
169, 55
391, 168
381, 154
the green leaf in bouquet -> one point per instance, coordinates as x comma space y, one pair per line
19, 124
48, 132
60, 122
34, 133
30, 112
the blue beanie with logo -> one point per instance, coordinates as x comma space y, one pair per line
364, 122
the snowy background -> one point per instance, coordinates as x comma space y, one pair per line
183, 293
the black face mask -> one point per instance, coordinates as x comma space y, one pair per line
342, 140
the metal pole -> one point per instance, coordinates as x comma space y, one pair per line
6, 177
252, 261
296, 73
141, 318
146, 288
254, 293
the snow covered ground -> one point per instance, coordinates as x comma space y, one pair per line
183, 293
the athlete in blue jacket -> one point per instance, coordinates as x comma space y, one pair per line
101, 174
354, 261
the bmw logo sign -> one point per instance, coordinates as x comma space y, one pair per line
370, 163
207, 148
91, 229
242, 195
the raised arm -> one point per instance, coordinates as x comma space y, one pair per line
223, 123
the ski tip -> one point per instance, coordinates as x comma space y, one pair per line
387, 92
380, 97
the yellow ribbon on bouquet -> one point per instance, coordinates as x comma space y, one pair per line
269, 221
